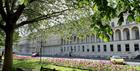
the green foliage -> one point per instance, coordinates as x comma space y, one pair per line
25, 2
130, 18
137, 19
2, 35
105, 10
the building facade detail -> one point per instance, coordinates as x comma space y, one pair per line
124, 42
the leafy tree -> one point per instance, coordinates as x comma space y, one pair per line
17, 13
108, 9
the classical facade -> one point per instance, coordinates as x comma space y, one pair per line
124, 42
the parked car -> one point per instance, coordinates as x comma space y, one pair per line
35, 54
117, 60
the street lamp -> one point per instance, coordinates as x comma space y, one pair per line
40, 54
41, 48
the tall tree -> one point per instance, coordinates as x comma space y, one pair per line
17, 13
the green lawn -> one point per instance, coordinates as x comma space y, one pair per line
137, 68
63, 68
35, 66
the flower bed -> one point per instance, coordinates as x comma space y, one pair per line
92, 65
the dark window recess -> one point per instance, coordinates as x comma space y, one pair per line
87, 50
111, 48
98, 48
61, 49
112, 37
105, 48
83, 48
119, 47
64, 49
92, 48
78, 48
71, 49
74, 38
127, 22
136, 46
127, 35
67, 48
136, 34
75, 48
127, 47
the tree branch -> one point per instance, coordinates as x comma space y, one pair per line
7, 6
2, 12
18, 12
43, 17
13, 5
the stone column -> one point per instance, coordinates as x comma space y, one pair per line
95, 38
130, 33
122, 34
114, 35
139, 31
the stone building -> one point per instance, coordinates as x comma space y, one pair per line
124, 42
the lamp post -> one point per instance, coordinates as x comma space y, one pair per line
40, 54
40, 49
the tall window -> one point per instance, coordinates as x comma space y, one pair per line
98, 48
92, 48
75, 48
87, 50
111, 47
127, 47
64, 49
127, 22
137, 34
74, 38
61, 49
68, 48
105, 48
78, 48
127, 33
77, 40
71, 49
118, 35
112, 36
136, 46
119, 47
62, 41
83, 48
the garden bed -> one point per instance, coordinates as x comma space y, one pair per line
71, 64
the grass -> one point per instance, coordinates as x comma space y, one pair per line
137, 68
35, 66
59, 68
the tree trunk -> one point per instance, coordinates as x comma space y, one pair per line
8, 57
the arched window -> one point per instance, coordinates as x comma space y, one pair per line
135, 33
126, 34
118, 34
